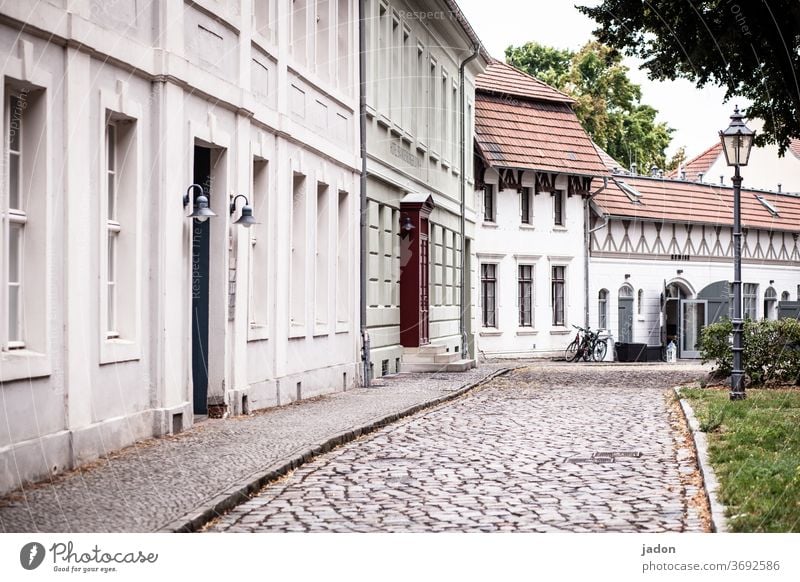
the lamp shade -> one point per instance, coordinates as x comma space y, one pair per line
201, 210
246, 219
737, 140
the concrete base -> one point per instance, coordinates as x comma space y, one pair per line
433, 358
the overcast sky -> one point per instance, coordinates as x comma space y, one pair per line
697, 115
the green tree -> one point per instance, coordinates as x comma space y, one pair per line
607, 102
677, 159
752, 49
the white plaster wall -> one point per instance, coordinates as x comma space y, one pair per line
77, 408
509, 243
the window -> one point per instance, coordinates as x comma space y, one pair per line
343, 259
113, 230
639, 300
770, 304
454, 141
432, 126
442, 117
558, 207
419, 99
488, 203
396, 72
321, 256
17, 219
525, 284
558, 280
488, 295
263, 16
749, 299
259, 257
322, 39
298, 255
525, 207
602, 309
343, 45
299, 35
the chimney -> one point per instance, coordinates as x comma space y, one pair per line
699, 176
661, 173
722, 180
779, 188
653, 171
633, 168
683, 174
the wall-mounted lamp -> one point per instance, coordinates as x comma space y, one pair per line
627, 276
246, 219
680, 271
772, 281
201, 210
406, 226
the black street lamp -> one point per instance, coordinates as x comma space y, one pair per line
737, 140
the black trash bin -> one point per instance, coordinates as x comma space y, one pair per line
630, 352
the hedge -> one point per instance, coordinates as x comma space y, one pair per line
771, 349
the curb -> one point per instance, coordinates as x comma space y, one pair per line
710, 483
245, 488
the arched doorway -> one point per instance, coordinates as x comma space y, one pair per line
684, 317
625, 314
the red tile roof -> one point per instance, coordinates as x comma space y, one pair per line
794, 147
699, 164
523, 123
683, 201
503, 79
608, 161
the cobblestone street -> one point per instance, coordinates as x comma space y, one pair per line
515, 455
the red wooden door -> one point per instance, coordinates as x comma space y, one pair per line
424, 301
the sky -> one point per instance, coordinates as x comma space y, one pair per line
697, 115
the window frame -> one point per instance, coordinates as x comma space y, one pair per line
602, 309
558, 283
750, 297
16, 218
525, 281
490, 202
559, 210
526, 206
489, 281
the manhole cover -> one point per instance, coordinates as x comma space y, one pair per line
605, 457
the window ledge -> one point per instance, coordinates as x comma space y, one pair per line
116, 350
527, 331
560, 229
421, 147
488, 224
433, 155
342, 327
297, 331
383, 120
559, 331
526, 226
23, 365
395, 130
490, 332
257, 331
321, 330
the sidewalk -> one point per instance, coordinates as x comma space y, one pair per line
177, 482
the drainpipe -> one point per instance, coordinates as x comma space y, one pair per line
362, 112
587, 244
462, 326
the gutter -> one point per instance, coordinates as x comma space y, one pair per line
362, 113
587, 243
462, 324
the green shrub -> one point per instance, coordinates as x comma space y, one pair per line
771, 349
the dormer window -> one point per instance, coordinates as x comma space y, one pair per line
632, 193
768, 205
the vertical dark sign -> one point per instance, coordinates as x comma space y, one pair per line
201, 234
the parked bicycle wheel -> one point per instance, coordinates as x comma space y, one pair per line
571, 353
599, 350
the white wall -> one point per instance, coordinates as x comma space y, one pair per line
509, 243
241, 92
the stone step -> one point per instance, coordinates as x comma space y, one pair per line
456, 366
443, 358
446, 358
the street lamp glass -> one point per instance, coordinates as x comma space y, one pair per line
737, 140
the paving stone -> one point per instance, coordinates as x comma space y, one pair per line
494, 460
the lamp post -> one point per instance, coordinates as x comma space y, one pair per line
737, 140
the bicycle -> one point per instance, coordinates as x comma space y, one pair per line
587, 346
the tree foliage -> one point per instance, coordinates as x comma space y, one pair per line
752, 49
607, 102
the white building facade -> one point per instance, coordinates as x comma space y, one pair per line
416, 93
661, 259
535, 174
121, 317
